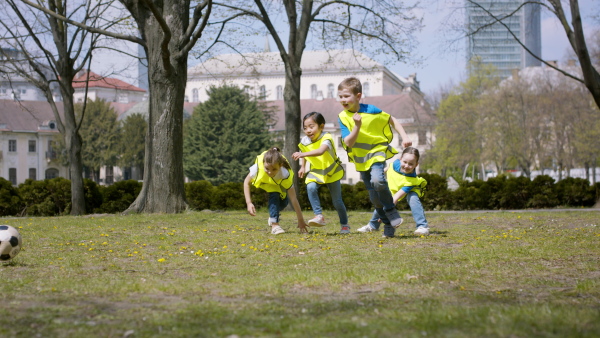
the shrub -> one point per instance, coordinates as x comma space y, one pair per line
436, 195
514, 194
119, 196
229, 196
199, 194
47, 197
575, 192
543, 194
10, 201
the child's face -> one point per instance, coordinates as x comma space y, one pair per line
408, 163
272, 169
312, 129
349, 100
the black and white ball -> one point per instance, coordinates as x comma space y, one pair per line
10, 242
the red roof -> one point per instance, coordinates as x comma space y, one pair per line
103, 82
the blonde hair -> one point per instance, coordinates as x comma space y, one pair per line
351, 83
273, 156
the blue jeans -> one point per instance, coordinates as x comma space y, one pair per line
415, 207
335, 189
276, 204
380, 195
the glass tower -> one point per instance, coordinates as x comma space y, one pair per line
490, 24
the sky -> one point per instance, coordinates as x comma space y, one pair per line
436, 61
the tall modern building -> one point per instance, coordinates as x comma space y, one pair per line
491, 25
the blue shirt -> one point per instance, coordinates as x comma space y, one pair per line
363, 108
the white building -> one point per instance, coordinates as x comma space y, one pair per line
108, 88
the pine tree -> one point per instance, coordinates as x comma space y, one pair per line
223, 136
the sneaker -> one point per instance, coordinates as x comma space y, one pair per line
396, 223
317, 221
386, 236
422, 231
276, 230
367, 228
345, 230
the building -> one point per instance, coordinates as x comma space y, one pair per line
14, 86
27, 131
263, 75
108, 88
493, 43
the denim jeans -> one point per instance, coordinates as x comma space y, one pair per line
276, 204
415, 207
335, 189
380, 195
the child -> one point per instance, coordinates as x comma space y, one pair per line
403, 181
272, 173
366, 134
325, 168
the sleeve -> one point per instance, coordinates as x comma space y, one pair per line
328, 144
407, 189
253, 170
343, 129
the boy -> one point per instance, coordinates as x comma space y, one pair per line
366, 135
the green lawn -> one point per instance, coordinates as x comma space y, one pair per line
222, 274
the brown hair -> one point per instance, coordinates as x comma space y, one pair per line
351, 83
273, 156
412, 151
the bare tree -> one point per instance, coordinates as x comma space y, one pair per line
49, 53
381, 27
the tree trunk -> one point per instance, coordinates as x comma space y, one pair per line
163, 189
293, 119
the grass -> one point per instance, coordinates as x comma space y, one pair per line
212, 274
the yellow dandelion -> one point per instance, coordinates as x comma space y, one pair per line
161, 260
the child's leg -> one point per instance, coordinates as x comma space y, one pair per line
417, 209
276, 204
380, 185
374, 222
312, 189
335, 189
368, 178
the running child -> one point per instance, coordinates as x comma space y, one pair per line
317, 148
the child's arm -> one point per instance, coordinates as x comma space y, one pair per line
351, 139
406, 142
302, 169
301, 224
249, 205
317, 152
399, 195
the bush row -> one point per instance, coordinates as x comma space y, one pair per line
53, 197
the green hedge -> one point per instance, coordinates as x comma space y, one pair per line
53, 197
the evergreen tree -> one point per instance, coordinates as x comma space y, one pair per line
133, 136
223, 136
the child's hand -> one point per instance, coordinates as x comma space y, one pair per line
406, 143
251, 209
357, 119
297, 155
303, 227
301, 172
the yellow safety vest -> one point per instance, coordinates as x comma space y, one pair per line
326, 168
268, 184
397, 181
373, 142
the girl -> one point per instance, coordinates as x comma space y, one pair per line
325, 168
272, 173
403, 181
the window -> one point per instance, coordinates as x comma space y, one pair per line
12, 145
22, 91
195, 97
32, 146
366, 89
32, 174
313, 91
279, 93
12, 175
330, 90
51, 173
262, 93
109, 179
2, 90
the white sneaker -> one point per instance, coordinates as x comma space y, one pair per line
422, 231
396, 223
317, 221
345, 230
366, 228
276, 230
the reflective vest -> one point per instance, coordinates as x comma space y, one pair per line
373, 142
268, 184
325, 168
397, 181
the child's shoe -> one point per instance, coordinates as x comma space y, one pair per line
276, 230
367, 228
396, 223
386, 236
345, 229
317, 221
422, 231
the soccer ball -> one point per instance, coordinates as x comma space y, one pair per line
10, 242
